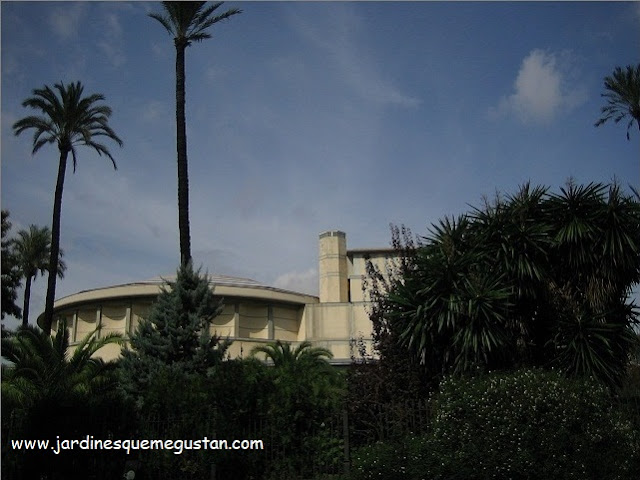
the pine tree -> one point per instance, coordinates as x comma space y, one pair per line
175, 339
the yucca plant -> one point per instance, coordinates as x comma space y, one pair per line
534, 278
454, 307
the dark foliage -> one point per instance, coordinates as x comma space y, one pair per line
535, 278
11, 277
175, 340
50, 392
623, 97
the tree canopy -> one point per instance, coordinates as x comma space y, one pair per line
530, 279
32, 250
176, 335
10, 271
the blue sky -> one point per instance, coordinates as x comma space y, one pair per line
304, 117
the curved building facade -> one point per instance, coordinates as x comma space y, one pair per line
254, 314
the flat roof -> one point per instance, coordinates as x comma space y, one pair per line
223, 285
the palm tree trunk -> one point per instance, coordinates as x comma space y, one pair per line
183, 171
55, 244
27, 298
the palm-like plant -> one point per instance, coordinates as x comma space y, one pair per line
304, 390
51, 391
623, 97
453, 308
282, 355
187, 22
302, 370
595, 262
68, 120
43, 371
32, 248
596, 246
540, 278
591, 343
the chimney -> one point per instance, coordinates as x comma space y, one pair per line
332, 259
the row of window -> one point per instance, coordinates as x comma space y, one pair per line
238, 320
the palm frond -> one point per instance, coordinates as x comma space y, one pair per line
188, 22
68, 119
41, 369
623, 97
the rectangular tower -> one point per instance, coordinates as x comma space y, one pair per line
333, 274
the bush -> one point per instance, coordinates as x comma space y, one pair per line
382, 460
528, 424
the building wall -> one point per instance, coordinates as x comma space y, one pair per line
253, 314
357, 270
333, 267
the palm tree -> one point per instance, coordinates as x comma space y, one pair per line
42, 371
51, 391
187, 22
301, 371
304, 389
68, 120
623, 97
32, 248
283, 356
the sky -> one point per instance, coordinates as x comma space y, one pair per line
305, 117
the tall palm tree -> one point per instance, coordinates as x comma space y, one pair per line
187, 22
623, 97
32, 248
68, 119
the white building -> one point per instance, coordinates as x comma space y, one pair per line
253, 313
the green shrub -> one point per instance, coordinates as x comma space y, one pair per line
382, 460
527, 425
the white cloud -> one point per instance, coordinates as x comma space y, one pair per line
113, 53
544, 88
65, 20
112, 44
355, 63
154, 110
215, 73
303, 282
160, 50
